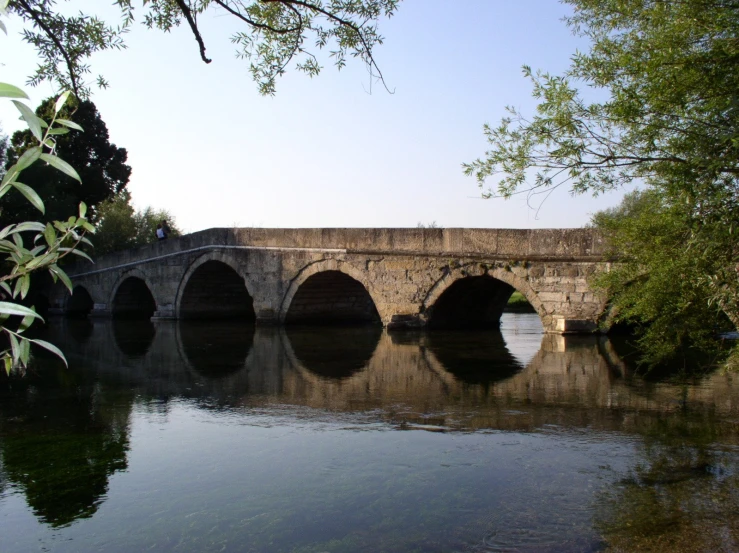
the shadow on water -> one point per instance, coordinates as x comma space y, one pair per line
133, 338
80, 330
478, 357
334, 352
215, 350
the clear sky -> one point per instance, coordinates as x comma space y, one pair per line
324, 152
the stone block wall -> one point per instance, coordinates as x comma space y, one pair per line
402, 273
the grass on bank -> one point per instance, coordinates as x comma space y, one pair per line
518, 303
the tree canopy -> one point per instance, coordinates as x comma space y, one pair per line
119, 226
668, 71
661, 281
100, 164
274, 34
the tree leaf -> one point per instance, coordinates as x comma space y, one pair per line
10, 91
58, 131
10, 175
76, 252
52, 348
15, 309
26, 226
25, 351
28, 158
61, 101
62, 165
70, 124
25, 323
25, 281
49, 234
33, 122
62, 276
30, 195
15, 347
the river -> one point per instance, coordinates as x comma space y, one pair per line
207, 437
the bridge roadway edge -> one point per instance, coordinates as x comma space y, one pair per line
404, 270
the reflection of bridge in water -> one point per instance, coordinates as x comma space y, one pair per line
355, 369
61, 443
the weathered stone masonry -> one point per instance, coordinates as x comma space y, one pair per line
403, 277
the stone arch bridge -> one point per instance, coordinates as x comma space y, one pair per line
398, 277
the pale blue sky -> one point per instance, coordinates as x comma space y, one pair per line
323, 152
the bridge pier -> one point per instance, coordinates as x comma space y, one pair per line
164, 313
101, 311
573, 326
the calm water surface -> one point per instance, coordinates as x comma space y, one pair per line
199, 438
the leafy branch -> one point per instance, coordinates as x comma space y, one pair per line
52, 241
276, 34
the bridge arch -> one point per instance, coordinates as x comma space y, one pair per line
213, 287
133, 296
479, 294
79, 303
349, 290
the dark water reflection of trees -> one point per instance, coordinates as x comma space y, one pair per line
65, 432
682, 494
63, 436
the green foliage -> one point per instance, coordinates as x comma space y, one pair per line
100, 164
274, 34
663, 253
115, 225
671, 112
120, 227
668, 120
518, 303
50, 243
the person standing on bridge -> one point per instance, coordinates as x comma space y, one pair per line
161, 231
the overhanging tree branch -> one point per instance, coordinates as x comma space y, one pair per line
194, 27
37, 18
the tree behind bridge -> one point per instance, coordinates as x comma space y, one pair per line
100, 164
119, 226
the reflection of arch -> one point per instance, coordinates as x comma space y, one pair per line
134, 340
334, 352
132, 296
213, 288
480, 357
79, 304
348, 296
476, 300
80, 329
331, 297
215, 351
